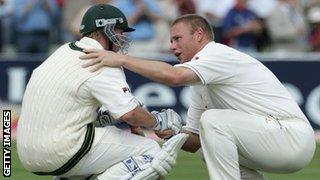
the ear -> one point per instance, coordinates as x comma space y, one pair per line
199, 34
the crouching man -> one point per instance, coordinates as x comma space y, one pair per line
56, 133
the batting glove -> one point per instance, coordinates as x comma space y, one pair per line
164, 160
168, 119
104, 118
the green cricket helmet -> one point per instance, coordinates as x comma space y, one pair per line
107, 17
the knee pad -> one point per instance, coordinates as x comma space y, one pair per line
150, 147
146, 166
126, 169
164, 160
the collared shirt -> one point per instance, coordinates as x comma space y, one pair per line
109, 87
233, 80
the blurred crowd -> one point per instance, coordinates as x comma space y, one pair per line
34, 26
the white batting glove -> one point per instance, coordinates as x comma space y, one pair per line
168, 119
164, 160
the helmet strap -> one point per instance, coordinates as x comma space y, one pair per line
110, 42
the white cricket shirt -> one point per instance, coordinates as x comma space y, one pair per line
111, 90
59, 105
233, 80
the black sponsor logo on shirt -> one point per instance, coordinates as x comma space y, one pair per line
126, 89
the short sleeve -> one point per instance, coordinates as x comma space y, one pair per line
211, 70
112, 91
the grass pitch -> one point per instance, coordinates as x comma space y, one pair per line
189, 167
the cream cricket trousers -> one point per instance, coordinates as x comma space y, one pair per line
111, 146
237, 145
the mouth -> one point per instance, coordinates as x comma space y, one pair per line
177, 54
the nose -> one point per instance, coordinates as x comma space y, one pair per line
173, 46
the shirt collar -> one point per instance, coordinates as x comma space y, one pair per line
89, 43
200, 53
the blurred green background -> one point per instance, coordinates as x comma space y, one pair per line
189, 167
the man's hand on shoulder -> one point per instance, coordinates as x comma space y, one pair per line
100, 58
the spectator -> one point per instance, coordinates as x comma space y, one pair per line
186, 7
241, 27
169, 11
73, 11
287, 27
314, 19
5, 10
215, 11
74, 22
33, 21
142, 15
57, 21
263, 9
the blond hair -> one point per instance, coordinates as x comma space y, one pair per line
196, 21
94, 34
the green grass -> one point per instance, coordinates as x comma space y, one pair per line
189, 167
